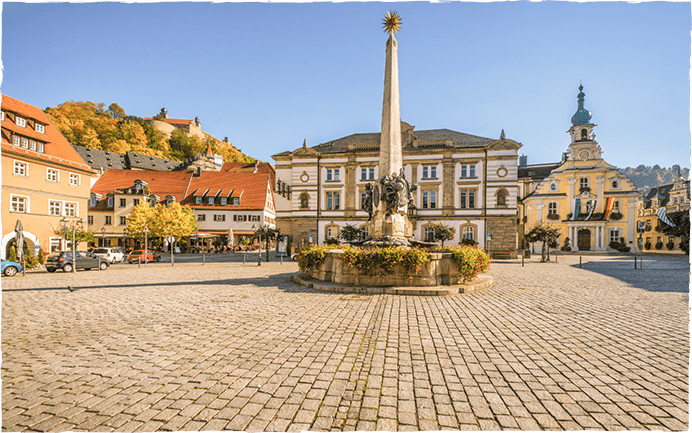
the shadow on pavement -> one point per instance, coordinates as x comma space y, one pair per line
269, 281
655, 275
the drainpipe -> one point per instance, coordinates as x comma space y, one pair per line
485, 199
319, 194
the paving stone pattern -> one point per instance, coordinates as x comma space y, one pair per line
227, 346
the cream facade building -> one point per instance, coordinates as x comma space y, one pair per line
588, 199
672, 198
464, 181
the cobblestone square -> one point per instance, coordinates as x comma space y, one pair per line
240, 347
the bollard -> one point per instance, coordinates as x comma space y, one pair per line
243, 259
139, 262
579, 262
522, 260
635, 262
282, 260
204, 259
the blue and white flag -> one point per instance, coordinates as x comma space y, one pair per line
661, 212
590, 206
577, 207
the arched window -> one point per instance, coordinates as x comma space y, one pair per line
304, 200
552, 208
616, 206
428, 234
467, 234
584, 134
502, 198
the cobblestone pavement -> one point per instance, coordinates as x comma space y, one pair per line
227, 346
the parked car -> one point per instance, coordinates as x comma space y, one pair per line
111, 254
139, 254
83, 260
10, 268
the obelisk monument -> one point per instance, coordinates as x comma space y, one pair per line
390, 195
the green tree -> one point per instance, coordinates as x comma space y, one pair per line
350, 233
547, 235
682, 228
442, 233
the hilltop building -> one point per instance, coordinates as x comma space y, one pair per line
588, 199
44, 180
465, 181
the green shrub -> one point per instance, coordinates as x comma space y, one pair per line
470, 261
41, 257
310, 257
382, 260
12, 254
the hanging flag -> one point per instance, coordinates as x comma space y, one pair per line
608, 208
661, 212
590, 205
577, 207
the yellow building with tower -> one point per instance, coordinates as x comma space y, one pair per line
592, 203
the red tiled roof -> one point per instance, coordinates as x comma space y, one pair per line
172, 121
252, 186
57, 149
161, 183
249, 167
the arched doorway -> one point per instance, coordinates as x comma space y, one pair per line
584, 240
8, 240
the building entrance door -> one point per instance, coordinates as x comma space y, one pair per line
584, 240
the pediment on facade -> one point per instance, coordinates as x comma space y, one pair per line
504, 143
305, 151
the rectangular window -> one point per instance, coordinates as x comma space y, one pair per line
210, 200
472, 171
371, 173
21, 168
16, 140
363, 173
367, 173
54, 208
135, 202
41, 147
614, 235
224, 201
428, 234
201, 217
198, 200
40, 128
330, 201
433, 199
362, 199
90, 220
332, 174
468, 171
467, 199
123, 202
123, 221
25, 143
219, 218
74, 179
463, 171
32, 145
71, 209
462, 199
108, 220
472, 199
19, 204
254, 218
333, 200
21, 122
430, 199
429, 171
236, 200
425, 172
2, 116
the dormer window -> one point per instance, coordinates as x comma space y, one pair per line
25, 143
32, 145
21, 122
198, 200
41, 148
109, 201
2, 116
210, 200
236, 200
40, 128
224, 201
17, 141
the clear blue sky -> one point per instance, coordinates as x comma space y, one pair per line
268, 76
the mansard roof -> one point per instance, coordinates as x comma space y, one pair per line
662, 192
104, 160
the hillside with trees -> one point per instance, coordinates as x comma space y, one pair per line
645, 177
93, 125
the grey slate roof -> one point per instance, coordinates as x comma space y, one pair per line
662, 192
103, 160
536, 171
459, 139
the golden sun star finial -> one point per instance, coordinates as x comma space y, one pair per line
391, 22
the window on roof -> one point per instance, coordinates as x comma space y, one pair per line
198, 200
21, 122
210, 200
41, 147
40, 128
224, 201
236, 200
109, 201
2, 116
32, 145
25, 143
16, 140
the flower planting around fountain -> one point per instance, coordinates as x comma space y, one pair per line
393, 266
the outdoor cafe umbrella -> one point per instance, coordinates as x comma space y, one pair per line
19, 239
230, 237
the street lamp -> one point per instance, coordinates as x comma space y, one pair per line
66, 226
103, 236
258, 230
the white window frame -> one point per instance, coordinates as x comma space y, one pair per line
40, 128
41, 148
19, 200
108, 220
332, 175
52, 172
123, 220
219, 218
333, 200
617, 235
21, 168
199, 199
428, 234
254, 218
25, 143
54, 208
552, 207
20, 121
224, 201
210, 200
75, 176
468, 233
70, 209
16, 141
2, 116
616, 206
235, 201
429, 172
583, 182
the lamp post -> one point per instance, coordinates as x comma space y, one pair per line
258, 230
67, 224
145, 230
103, 236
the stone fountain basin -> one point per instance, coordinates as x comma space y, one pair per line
439, 271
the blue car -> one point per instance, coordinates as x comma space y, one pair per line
10, 268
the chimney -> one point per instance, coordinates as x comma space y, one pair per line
199, 172
522, 161
255, 167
